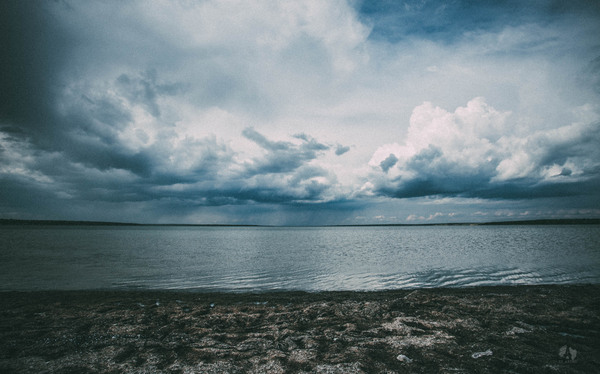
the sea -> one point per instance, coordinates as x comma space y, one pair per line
263, 259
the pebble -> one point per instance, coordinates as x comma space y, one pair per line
481, 354
517, 330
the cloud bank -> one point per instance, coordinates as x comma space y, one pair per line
468, 153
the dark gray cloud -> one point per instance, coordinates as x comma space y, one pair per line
33, 50
388, 162
36, 49
145, 89
211, 178
341, 149
282, 156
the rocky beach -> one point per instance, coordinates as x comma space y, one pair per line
522, 329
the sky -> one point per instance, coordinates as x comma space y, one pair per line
299, 113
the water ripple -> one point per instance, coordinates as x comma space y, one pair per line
310, 259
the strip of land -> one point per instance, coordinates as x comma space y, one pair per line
575, 221
553, 328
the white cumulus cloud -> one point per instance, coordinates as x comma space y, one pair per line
471, 152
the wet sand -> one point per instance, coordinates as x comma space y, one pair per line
553, 329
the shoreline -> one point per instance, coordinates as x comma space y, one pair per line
240, 296
550, 328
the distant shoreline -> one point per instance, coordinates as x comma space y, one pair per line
566, 221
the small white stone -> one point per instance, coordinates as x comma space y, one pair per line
516, 330
481, 354
403, 358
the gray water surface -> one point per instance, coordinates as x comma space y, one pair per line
239, 259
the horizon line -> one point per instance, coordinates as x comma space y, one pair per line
550, 221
